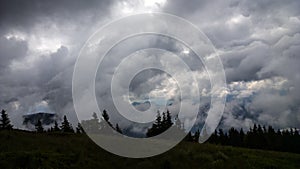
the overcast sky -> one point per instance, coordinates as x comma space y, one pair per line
258, 43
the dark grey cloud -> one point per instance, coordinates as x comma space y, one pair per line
39, 42
25, 14
11, 49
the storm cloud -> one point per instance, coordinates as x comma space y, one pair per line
258, 42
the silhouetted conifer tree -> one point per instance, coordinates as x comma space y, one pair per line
4, 121
56, 127
196, 135
93, 125
214, 138
161, 124
242, 137
189, 137
234, 137
79, 129
168, 122
66, 126
106, 117
39, 127
118, 129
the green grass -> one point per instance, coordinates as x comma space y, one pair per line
20, 149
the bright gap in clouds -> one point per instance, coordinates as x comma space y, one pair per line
186, 51
139, 6
161, 90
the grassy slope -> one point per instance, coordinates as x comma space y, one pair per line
29, 150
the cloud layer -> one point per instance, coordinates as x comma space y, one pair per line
258, 42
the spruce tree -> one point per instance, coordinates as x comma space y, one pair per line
79, 129
4, 121
242, 137
39, 127
296, 133
178, 123
234, 137
118, 129
164, 121
93, 125
66, 126
158, 122
156, 126
214, 138
223, 137
56, 127
196, 136
169, 122
189, 137
106, 117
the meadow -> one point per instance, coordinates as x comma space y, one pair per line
21, 149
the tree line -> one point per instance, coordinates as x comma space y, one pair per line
258, 137
92, 125
161, 124
65, 127
95, 125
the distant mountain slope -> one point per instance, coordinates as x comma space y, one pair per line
45, 118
